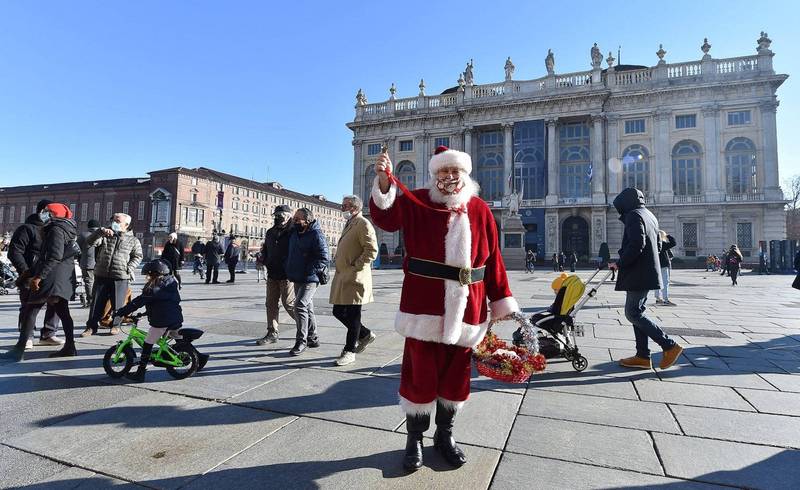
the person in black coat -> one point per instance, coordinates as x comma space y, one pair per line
232, 257
198, 250
172, 253
212, 252
50, 280
274, 253
665, 261
639, 273
573, 261
23, 250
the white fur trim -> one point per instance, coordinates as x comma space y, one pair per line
457, 251
411, 408
454, 201
503, 307
450, 158
383, 201
428, 328
450, 404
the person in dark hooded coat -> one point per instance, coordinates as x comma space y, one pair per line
51, 280
640, 273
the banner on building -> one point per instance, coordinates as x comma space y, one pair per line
220, 199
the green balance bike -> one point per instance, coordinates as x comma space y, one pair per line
173, 351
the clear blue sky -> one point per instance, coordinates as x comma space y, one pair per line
98, 89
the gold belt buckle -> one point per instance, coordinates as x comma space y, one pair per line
465, 276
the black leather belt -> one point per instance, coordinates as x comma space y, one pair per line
437, 270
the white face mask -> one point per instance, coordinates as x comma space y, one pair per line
347, 214
449, 185
116, 227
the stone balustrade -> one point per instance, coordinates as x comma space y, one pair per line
663, 74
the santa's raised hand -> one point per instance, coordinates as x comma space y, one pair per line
383, 165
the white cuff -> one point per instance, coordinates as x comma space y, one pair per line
503, 307
411, 408
383, 201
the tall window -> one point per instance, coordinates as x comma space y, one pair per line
443, 141
686, 168
574, 160
634, 126
140, 214
126, 206
407, 174
490, 164
744, 236
738, 118
73, 209
11, 212
22, 215
2, 214
740, 166
84, 211
369, 177
686, 121
96, 211
407, 145
636, 168
530, 160
689, 235
373, 149
109, 210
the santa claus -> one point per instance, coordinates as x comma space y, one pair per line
452, 266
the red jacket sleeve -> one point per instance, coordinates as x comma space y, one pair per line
501, 302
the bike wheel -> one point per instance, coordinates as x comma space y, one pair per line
120, 368
190, 362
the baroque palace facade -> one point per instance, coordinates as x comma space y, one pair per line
194, 202
698, 138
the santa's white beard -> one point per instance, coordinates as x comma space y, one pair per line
451, 201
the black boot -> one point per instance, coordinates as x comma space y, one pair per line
443, 437
416, 425
138, 376
15, 354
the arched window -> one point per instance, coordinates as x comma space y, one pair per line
740, 166
407, 174
530, 159
686, 168
574, 170
369, 177
636, 168
490, 164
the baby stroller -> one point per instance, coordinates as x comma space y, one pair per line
8, 276
557, 326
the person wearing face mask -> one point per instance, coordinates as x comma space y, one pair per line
117, 255
274, 252
23, 250
352, 284
454, 279
213, 250
306, 262
50, 281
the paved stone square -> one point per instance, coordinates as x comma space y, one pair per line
728, 413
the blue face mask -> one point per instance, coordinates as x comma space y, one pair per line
44, 216
115, 227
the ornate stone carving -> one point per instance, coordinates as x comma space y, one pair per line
392, 91
597, 56
461, 82
769, 106
710, 110
361, 99
509, 69
705, 48
468, 76
764, 42
550, 62
662, 114
422, 87
610, 60
660, 53
513, 201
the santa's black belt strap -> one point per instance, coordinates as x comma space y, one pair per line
438, 270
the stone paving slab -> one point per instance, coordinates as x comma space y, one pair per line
687, 394
580, 384
74, 478
599, 410
714, 377
757, 428
522, 471
35, 468
729, 463
584, 443
153, 436
370, 401
784, 382
297, 457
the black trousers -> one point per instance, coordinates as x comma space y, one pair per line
350, 316
60, 307
51, 320
212, 269
232, 270
106, 289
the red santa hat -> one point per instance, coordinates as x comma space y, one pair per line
445, 157
58, 210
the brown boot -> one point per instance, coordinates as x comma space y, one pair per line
636, 362
670, 356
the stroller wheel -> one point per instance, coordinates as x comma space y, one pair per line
580, 363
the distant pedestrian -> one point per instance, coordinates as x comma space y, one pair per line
274, 252
352, 283
261, 271
198, 249
172, 254
530, 261
573, 261
665, 260
307, 261
118, 254
735, 260
639, 273
555, 262
562, 261
724, 263
88, 260
232, 257
762, 262
213, 251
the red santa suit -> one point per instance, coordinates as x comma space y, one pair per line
442, 319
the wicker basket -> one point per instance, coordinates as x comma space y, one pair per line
498, 360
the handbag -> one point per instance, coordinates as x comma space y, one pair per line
796, 282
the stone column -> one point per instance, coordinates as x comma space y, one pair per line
551, 238
770, 150
552, 163
711, 167
358, 169
508, 156
661, 160
421, 165
598, 230
391, 142
468, 141
613, 153
598, 163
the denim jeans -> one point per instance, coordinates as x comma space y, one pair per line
643, 327
304, 311
663, 293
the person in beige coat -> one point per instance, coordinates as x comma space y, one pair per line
352, 283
